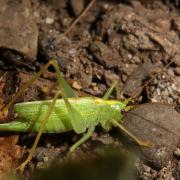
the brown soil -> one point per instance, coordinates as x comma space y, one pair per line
129, 41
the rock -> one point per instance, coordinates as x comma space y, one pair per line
56, 4
18, 31
177, 82
158, 124
70, 59
134, 83
104, 55
177, 152
176, 59
177, 71
77, 6
49, 20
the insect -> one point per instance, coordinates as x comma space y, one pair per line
80, 114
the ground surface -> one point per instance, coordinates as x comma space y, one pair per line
128, 41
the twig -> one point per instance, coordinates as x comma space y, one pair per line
79, 17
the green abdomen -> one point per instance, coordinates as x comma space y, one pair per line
59, 121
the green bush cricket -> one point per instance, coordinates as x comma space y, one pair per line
71, 113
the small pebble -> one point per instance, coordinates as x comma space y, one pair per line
177, 82
170, 72
95, 88
177, 60
36, 14
48, 145
165, 92
41, 165
46, 159
177, 71
177, 152
76, 85
49, 20
129, 56
146, 169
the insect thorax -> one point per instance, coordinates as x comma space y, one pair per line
109, 110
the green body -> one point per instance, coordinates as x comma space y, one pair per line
81, 115
94, 111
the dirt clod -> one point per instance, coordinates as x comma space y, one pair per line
18, 29
159, 124
135, 80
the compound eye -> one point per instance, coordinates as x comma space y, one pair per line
122, 111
